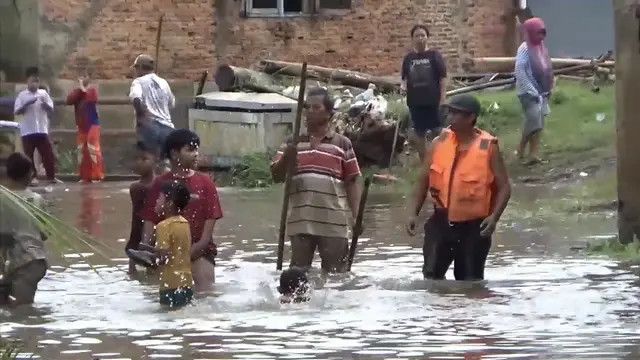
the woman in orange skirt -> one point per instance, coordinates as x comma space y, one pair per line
84, 99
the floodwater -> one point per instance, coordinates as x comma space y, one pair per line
543, 297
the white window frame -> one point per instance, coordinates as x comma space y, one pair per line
274, 12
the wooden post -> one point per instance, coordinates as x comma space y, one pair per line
290, 169
627, 26
158, 36
358, 223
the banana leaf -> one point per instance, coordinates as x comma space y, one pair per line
62, 235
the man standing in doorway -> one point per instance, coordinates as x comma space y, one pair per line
424, 75
152, 101
468, 182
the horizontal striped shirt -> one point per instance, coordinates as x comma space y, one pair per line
318, 199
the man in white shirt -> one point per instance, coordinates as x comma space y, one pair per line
32, 108
152, 101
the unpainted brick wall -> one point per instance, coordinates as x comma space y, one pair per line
372, 37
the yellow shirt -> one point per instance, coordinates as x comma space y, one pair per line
174, 236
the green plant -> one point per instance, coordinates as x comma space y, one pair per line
559, 97
615, 249
68, 162
61, 236
253, 171
9, 350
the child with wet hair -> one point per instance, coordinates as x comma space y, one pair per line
203, 211
20, 173
294, 286
144, 166
173, 245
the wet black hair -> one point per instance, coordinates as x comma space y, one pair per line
32, 71
293, 281
420, 26
19, 167
178, 139
326, 98
178, 193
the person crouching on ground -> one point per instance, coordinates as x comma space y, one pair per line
24, 260
325, 186
468, 182
173, 244
202, 212
294, 286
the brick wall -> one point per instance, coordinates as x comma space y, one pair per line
197, 34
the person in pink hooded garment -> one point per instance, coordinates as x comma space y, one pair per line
534, 83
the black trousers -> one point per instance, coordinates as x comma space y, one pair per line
459, 243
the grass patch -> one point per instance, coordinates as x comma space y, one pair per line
254, 171
572, 125
629, 253
67, 162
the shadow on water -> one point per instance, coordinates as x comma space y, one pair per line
541, 299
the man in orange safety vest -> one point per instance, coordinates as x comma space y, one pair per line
465, 174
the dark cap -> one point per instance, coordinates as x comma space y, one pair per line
466, 103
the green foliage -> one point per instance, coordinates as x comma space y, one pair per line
571, 127
397, 107
559, 97
67, 162
253, 171
9, 350
614, 249
61, 236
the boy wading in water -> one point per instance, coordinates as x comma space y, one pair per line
145, 160
24, 258
325, 190
173, 243
202, 212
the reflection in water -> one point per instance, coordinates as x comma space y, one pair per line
541, 299
90, 211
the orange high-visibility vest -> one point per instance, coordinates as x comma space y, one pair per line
462, 182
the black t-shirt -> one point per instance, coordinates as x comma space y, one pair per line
423, 72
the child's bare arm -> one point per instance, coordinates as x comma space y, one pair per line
200, 247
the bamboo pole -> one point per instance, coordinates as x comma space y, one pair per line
290, 169
158, 36
358, 225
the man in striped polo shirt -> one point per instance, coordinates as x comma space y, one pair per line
325, 190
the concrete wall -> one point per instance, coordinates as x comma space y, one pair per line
628, 126
577, 28
19, 37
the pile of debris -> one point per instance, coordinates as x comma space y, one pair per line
360, 109
362, 101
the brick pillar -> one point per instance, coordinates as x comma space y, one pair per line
628, 120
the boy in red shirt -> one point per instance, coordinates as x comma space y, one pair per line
202, 212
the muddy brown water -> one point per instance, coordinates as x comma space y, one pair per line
542, 298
